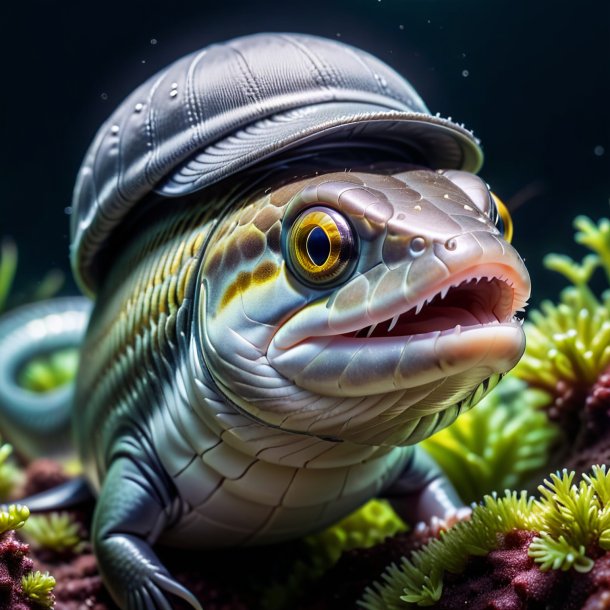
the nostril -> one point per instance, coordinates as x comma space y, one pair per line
417, 245
451, 244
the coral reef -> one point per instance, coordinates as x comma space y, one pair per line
20, 587
568, 347
567, 528
500, 444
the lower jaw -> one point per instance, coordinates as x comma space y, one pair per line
352, 367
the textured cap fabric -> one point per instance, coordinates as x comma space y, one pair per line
229, 106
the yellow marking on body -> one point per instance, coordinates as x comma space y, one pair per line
264, 272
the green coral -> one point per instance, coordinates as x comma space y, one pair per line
57, 532
500, 444
569, 343
571, 521
13, 517
9, 473
38, 587
364, 528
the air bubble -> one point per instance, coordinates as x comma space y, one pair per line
599, 150
104, 96
114, 130
68, 210
138, 107
153, 41
465, 73
401, 27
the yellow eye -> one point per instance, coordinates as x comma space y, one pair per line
320, 246
505, 219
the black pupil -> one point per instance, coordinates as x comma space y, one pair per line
318, 246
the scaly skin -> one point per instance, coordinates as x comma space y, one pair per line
224, 401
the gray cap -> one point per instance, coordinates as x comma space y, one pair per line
220, 110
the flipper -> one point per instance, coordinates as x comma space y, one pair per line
67, 495
423, 492
135, 506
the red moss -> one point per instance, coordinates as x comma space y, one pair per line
14, 564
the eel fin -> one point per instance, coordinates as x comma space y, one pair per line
67, 495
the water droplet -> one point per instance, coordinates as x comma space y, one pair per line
599, 150
338, 34
114, 130
153, 41
173, 93
68, 210
463, 55
467, 208
417, 208
138, 107
174, 85
104, 96
401, 27
446, 196
465, 73
429, 21
143, 61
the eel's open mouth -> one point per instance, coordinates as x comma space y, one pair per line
464, 327
473, 302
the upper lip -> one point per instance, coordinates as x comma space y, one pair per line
488, 297
488, 293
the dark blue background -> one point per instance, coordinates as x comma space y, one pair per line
536, 93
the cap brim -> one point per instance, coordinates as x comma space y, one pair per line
437, 142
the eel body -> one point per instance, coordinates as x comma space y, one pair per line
296, 279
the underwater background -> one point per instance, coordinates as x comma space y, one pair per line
533, 82
532, 79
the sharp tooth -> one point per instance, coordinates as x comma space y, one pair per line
371, 329
419, 307
393, 323
458, 329
444, 292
